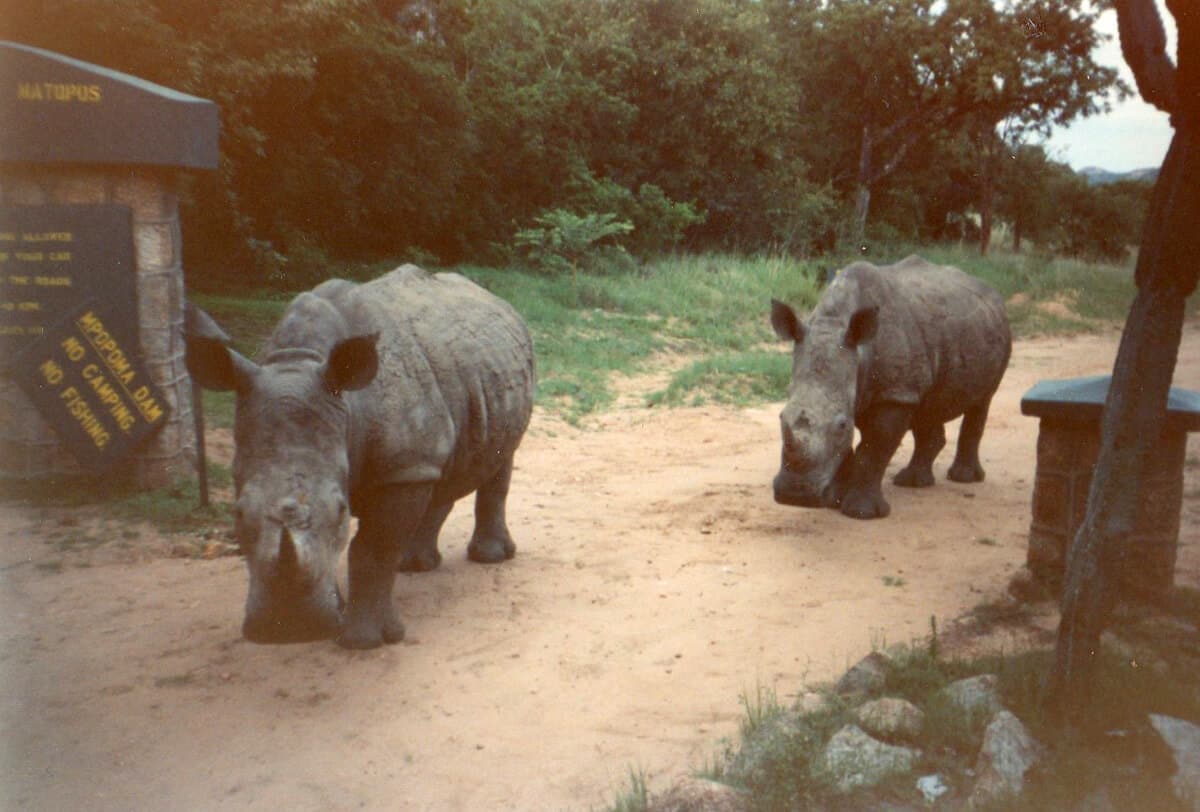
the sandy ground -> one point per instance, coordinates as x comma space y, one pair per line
655, 582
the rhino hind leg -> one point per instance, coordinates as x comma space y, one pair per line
929, 440
491, 542
421, 554
385, 527
966, 466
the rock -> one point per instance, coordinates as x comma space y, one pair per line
976, 696
813, 702
1184, 740
890, 718
932, 787
852, 759
864, 677
1007, 753
690, 794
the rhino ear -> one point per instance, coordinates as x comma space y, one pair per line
785, 321
863, 325
352, 364
214, 366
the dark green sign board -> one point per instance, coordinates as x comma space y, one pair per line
57, 109
55, 257
86, 379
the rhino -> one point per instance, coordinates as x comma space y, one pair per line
387, 401
887, 349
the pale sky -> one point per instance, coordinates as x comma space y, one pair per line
1133, 136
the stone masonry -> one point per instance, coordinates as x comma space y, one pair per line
28, 445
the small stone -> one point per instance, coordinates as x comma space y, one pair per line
852, 759
864, 677
690, 794
1007, 754
932, 787
891, 718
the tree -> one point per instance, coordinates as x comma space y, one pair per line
1166, 275
892, 75
1022, 67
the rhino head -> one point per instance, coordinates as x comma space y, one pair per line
817, 422
291, 473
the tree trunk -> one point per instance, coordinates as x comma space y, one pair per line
862, 196
1132, 423
987, 200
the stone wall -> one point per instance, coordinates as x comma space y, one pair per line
1066, 457
28, 445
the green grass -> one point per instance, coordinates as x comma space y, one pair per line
586, 328
634, 796
173, 508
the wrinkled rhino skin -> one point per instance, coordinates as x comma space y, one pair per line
389, 401
887, 349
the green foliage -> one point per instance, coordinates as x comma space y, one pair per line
738, 379
562, 242
355, 129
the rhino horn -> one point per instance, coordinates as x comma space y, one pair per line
289, 562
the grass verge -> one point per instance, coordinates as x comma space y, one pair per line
1149, 663
715, 307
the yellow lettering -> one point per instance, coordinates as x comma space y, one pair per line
52, 372
30, 256
52, 281
18, 280
74, 350
47, 236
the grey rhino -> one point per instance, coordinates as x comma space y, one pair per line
887, 349
388, 400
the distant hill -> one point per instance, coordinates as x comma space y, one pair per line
1097, 176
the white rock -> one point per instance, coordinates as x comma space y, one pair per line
853, 759
891, 718
1007, 753
1184, 740
932, 787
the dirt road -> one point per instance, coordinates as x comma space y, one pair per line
655, 581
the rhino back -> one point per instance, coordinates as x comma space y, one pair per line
943, 341
454, 391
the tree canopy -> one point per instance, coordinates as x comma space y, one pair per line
442, 129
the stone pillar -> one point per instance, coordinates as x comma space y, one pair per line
1067, 448
82, 135
29, 445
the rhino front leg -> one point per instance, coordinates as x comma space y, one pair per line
966, 466
385, 527
928, 441
882, 432
491, 542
